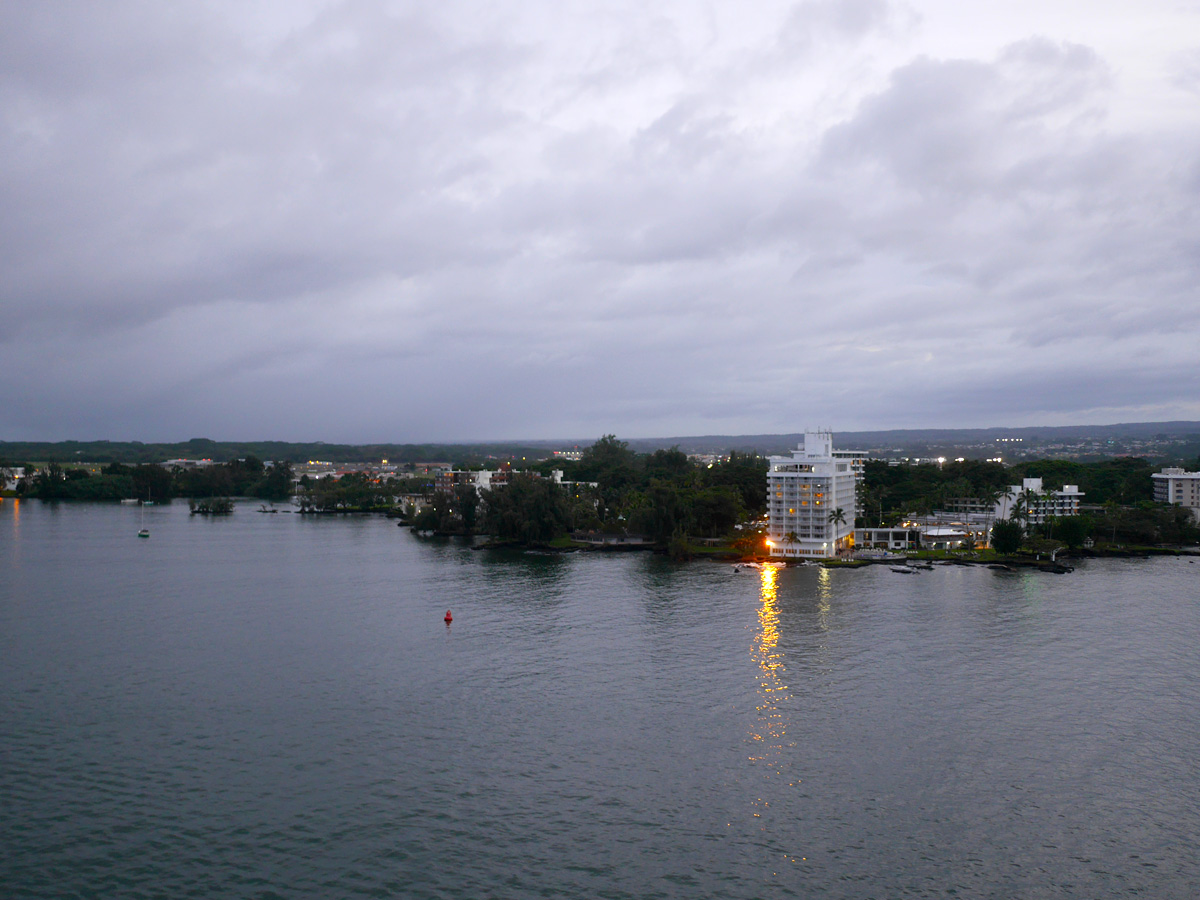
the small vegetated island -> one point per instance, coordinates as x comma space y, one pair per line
211, 506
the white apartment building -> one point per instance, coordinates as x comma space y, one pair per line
1038, 504
858, 465
802, 491
1179, 487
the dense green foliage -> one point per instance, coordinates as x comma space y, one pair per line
240, 478
892, 491
211, 506
1072, 530
1120, 488
895, 490
56, 483
528, 509
1007, 536
1144, 524
245, 478
1125, 479
663, 495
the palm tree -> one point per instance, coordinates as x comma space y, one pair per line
837, 517
1022, 507
990, 498
791, 538
1027, 499
1047, 497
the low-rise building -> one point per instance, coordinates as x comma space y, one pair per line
935, 532
446, 482
949, 536
186, 463
1030, 501
571, 487
900, 538
969, 506
483, 479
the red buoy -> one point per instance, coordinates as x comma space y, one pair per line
449, 618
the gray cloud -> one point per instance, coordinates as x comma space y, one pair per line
1184, 69
399, 222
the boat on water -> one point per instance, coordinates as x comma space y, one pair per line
904, 570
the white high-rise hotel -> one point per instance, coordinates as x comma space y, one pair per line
811, 499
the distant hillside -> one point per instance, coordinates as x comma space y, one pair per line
224, 451
914, 439
1166, 440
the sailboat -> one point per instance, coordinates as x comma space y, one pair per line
145, 532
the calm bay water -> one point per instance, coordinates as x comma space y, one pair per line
271, 706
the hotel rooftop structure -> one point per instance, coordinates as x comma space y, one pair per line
805, 492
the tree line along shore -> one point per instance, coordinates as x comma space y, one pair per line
672, 501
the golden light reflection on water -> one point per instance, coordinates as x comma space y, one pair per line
15, 505
824, 594
771, 730
769, 737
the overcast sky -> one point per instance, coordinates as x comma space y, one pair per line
371, 221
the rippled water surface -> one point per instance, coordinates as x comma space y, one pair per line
271, 706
